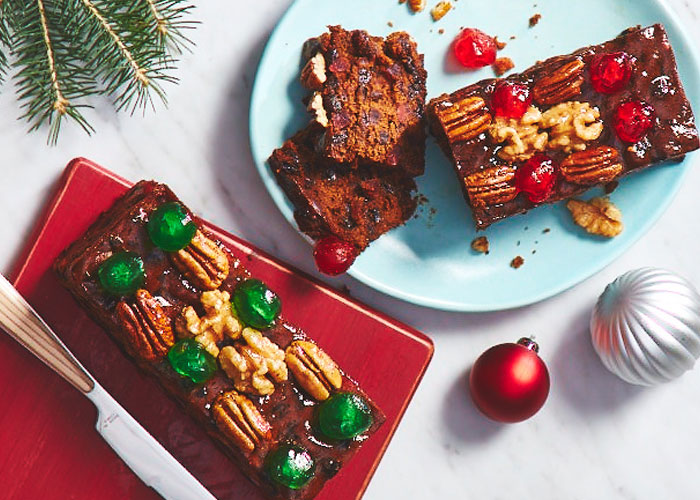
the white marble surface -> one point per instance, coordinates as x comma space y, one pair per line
596, 437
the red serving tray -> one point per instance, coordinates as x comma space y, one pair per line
48, 446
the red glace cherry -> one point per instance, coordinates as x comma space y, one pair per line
510, 99
537, 177
334, 256
611, 73
633, 119
474, 49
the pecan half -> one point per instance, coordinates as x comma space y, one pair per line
240, 420
594, 166
313, 369
491, 186
561, 85
148, 328
202, 262
465, 119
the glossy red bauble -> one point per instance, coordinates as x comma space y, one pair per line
510, 99
633, 119
537, 178
509, 382
611, 73
474, 49
334, 256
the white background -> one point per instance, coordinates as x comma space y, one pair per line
597, 437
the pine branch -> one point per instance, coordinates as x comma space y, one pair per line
51, 79
69, 50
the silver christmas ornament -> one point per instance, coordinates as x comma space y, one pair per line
646, 326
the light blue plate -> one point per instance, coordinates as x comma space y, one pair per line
429, 260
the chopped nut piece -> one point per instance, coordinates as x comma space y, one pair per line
499, 44
148, 329
534, 20
202, 262
313, 76
573, 124
251, 366
522, 135
597, 216
481, 244
417, 5
316, 107
502, 65
440, 10
313, 369
517, 262
240, 420
210, 329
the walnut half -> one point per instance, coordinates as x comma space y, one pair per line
597, 216
211, 328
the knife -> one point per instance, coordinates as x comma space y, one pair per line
137, 448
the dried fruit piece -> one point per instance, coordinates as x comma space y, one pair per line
610, 73
562, 84
537, 178
313, 369
510, 99
492, 186
171, 227
147, 326
290, 465
239, 419
465, 119
344, 416
334, 256
190, 360
217, 322
594, 166
633, 119
597, 216
474, 49
440, 10
255, 365
255, 304
122, 274
202, 262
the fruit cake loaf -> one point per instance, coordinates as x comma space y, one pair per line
185, 309
565, 124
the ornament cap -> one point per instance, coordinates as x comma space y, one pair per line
529, 343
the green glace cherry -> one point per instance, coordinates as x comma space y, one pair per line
190, 359
290, 465
171, 227
122, 273
344, 416
255, 304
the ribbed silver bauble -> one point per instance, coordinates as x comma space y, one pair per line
646, 326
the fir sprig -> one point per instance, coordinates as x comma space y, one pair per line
65, 51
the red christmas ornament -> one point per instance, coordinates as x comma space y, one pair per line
510, 382
334, 256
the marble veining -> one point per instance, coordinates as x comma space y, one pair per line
597, 437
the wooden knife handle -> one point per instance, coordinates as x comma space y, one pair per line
23, 324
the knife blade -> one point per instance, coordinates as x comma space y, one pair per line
141, 452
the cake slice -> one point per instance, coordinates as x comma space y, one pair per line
355, 202
369, 95
566, 124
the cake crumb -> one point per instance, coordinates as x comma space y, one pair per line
534, 20
499, 44
546, 230
481, 245
390, 24
502, 65
441, 31
512, 37
517, 262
